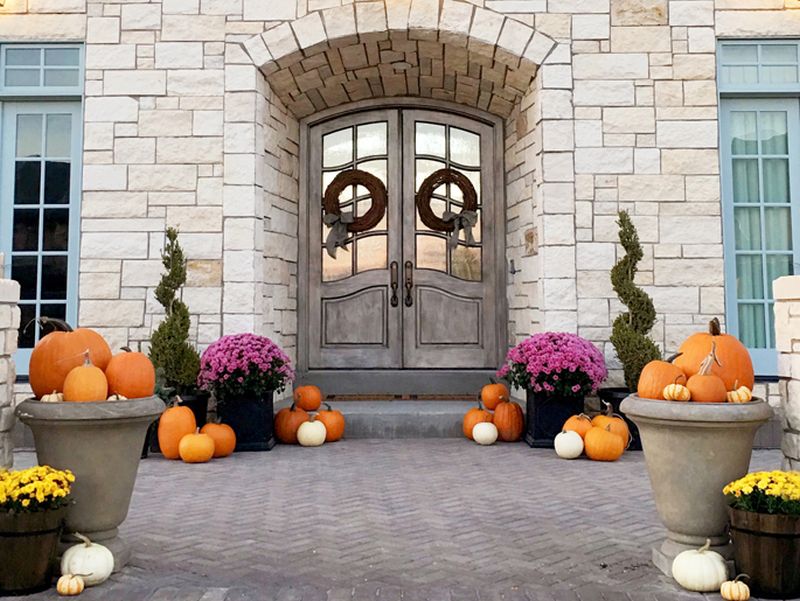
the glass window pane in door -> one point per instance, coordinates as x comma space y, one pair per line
27, 182
431, 252
56, 182
337, 148
24, 270
752, 325
747, 222
745, 180
54, 277
58, 136
465, 147
27, 330
777, 266
26, 230
336, 268
773, 131
56, 229
778, 228
371, 253
749, 277
776, 180
371, 139
466, 263
744, 132
430, 139
29, 136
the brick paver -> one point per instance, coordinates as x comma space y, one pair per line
396, 519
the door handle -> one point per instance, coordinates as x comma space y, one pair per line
409, 268
393, 268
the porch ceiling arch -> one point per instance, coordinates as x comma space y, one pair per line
449, 51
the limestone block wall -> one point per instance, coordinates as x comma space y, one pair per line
9, 325
786, 291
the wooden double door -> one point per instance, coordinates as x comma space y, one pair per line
402, 294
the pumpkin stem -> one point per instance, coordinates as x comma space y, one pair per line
607, 409
586, 417
84, 539
679, 377
127, 349
714, 328
672, 357
742, 576
86, 359
327, 406
708, 362
58, 324
705, 547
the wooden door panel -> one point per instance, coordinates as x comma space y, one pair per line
357, 319
445, 319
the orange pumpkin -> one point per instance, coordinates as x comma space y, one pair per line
474, 416
509, 421
287, 421
175, 423
493, 394
57, 353
601, 444
196, 448
614, 423
655, 376
705, 386
131, 375
733, 363
308, 398
334, 423
85, 383
578, 423
223, 436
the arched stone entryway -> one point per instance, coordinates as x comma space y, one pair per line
458, 53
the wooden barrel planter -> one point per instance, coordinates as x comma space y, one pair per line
28, 547
767, 548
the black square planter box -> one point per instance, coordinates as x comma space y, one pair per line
252, 418
545, 417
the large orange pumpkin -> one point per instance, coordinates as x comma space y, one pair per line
287, 421
509, 421
223, 436
334, 423
600, 444
734, 361
474, 416
613, 423
85, 383
308, 397
705, 386
175, 423
655, 376
493, 394
131, 375
57, 353
581, 424
196, 448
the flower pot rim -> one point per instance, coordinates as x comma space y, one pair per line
32, 410
767, 523
756, 410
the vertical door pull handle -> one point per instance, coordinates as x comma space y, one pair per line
409, 283
393, 268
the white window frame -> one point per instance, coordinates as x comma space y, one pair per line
42, 90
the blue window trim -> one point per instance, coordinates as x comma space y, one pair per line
758, 88
42, 91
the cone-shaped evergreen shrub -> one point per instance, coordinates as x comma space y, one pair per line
630, 330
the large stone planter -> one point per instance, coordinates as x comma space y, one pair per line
101, 443
692, 450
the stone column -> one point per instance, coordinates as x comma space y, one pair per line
9, 324
787, 337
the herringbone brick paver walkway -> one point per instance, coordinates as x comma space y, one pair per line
395, 519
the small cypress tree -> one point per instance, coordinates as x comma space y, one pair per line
176, 361
629, 333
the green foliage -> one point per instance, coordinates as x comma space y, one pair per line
630, 330
174, 358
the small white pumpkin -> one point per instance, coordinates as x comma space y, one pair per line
702, 571
484, 433
92, 561
117, 397
53, 397
311, 433
741, 395
676, 392
70, 585
568, 444
735, 590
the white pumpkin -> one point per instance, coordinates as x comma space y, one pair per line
92, 561
311, 433
484, 433
568, 444
702, 571
53, 397
70, 585
735, 590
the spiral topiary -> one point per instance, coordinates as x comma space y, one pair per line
629, 333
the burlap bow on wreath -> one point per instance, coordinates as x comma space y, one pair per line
449, 221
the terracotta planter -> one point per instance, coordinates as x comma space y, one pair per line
692, 450
101, 443
767, 548
28, 548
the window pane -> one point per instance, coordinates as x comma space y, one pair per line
56, 182
23, 56
465, 147
431, 253
371, 253
58, 136
776, 180
338, 268
749, 277
752, 330
27, 333
740, 75
466, 263
424, 168
430, 139
743, 132
779, 53
747, 223
26, 230
56, 310
54, 277
777, 266
745, 180
62, 57
371, 139
774, 132
24, 78
771, 324
23, 269
337, 147
739, 53
56, 229
779, 74
376, 168
778, 228
61, 77
438, 207
29, 135
26, 182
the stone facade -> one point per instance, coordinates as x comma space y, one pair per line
9, 324
787, 326
193, 114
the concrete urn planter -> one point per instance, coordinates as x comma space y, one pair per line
692, 450
101, 443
